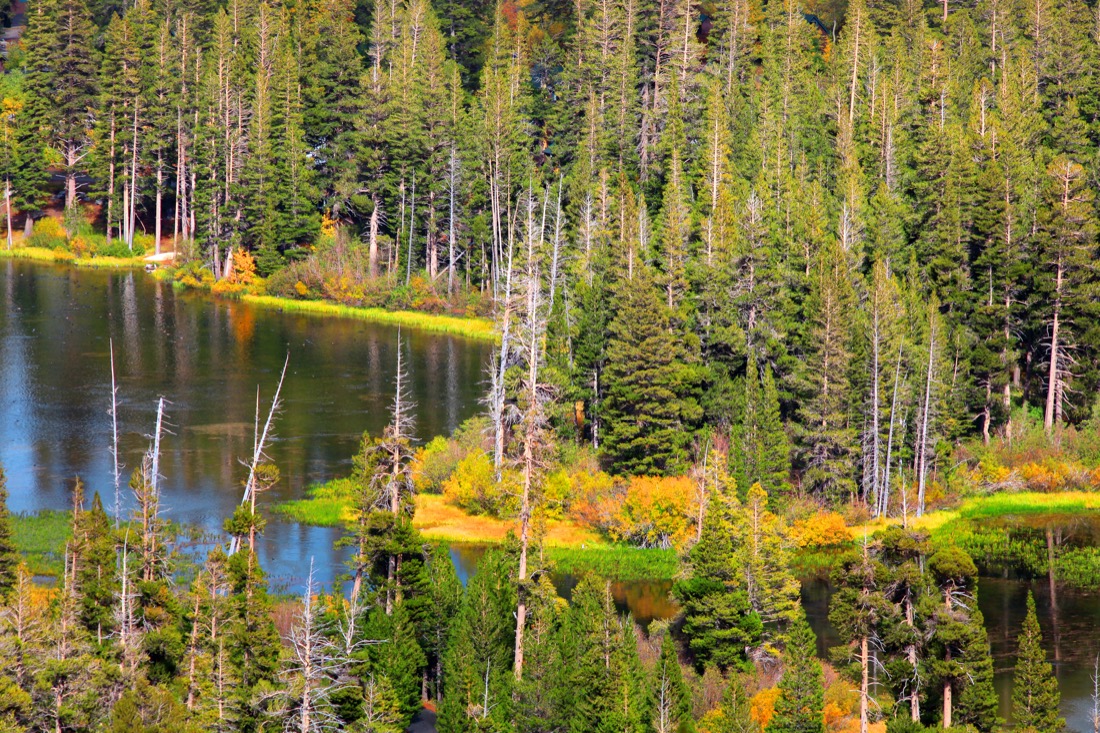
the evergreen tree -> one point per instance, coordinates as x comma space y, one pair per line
9, 554
669, 694
800, 706
651, 404
1035, 697
719, 621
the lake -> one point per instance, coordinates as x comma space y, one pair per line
206, 357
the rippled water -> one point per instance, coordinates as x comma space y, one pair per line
206, 357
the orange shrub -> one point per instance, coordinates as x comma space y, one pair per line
593, 502
762, 706
821, 530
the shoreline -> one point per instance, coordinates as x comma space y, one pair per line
475, 328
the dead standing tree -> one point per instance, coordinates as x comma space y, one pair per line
261, 475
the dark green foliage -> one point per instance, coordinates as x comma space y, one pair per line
1035, 696
801, 702
719, 622
9, 555
652, 397
478, 662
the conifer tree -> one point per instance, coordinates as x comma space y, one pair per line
760, 447
827, 439
720, 623
478, 663
669, 694
9, 554
1035, 696
801, 702
651, 404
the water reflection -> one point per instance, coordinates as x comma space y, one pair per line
1002, 602
207, 358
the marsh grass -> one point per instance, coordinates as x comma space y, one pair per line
41, 538
1001, 505
37, 254
616, 562
42, 254
107, 262
474, 328
572, 549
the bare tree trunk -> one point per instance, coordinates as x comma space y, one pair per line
159, 201
372, 241
7, 207
1052, 373
926, 416
864, 685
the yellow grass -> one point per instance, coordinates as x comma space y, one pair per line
477, 328
41, 254
109, 262
1025, 502
438, 520
38, 254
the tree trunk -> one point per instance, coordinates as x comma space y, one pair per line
373, 237
160, 199
1052, 373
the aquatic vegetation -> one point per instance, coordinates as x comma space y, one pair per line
616, 563
41, 538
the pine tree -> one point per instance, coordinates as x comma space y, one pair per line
719, 621
478, 663
651, 404
761, 448
1035, 697
9, 554
801, 702
827, 436
671, 699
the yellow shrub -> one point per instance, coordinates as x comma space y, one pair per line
80, 246
821, 530
473, 486
655, 511
301, 289
226, 287
762, 706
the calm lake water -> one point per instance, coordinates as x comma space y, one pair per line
206, 357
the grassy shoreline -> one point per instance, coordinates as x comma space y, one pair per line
481, 329
57, 256
572, 548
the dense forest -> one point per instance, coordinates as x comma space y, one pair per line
864, 244
788, 260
